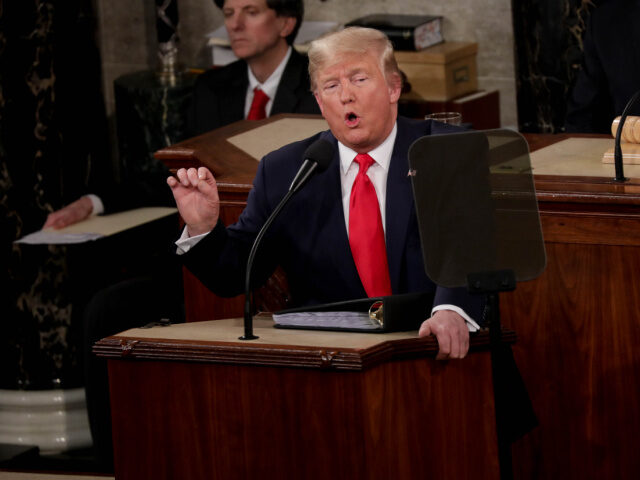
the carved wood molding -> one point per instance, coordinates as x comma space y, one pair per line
325, 358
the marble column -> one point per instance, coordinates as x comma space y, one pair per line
52, 137
548, 37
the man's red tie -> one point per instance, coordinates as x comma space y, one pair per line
258, 109
366, 235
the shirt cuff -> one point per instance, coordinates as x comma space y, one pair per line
98, 206
471, 324
186, 243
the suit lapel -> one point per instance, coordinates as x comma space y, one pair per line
286, 99
232, 103
400, 209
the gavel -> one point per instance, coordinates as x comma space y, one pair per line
630, 129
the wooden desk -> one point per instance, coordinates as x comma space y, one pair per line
192, 401
579, 329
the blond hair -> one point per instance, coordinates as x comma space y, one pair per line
353, 40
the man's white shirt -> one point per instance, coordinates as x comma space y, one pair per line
269, 87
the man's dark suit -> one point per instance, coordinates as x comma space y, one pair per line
309, 238
219, 95
611, 67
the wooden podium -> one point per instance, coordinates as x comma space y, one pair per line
192, 401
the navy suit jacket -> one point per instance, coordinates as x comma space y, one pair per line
219, 94
309, 238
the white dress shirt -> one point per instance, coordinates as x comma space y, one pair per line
269, 87
96, 202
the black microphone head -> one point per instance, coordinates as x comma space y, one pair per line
320, 152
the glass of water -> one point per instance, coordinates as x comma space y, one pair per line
452, 118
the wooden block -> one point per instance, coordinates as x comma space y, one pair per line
441, 72
630, 130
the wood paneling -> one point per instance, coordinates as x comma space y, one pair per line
403, 416
579, 329
578, 326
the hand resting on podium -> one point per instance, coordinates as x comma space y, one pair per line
452, 333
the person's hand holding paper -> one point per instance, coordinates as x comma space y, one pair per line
72, 213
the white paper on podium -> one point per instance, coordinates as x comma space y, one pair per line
267, 138
97, 227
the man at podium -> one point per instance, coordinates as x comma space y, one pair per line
351, 231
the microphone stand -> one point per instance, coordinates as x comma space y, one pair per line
248, 310
317, 157
618, 150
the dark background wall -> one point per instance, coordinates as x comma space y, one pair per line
548, 44
52, 147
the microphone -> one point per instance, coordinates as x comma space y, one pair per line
317, 158
617, 155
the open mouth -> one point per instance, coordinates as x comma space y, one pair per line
351, 119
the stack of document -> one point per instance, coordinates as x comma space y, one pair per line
346, 320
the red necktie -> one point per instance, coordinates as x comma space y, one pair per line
366, 235
258, 109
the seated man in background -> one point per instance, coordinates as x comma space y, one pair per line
270, 76
610, 73
352, 231
261, 33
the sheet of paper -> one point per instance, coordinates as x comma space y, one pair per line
97, 227
267, 138
578, 157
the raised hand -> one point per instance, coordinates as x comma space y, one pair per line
196, 195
